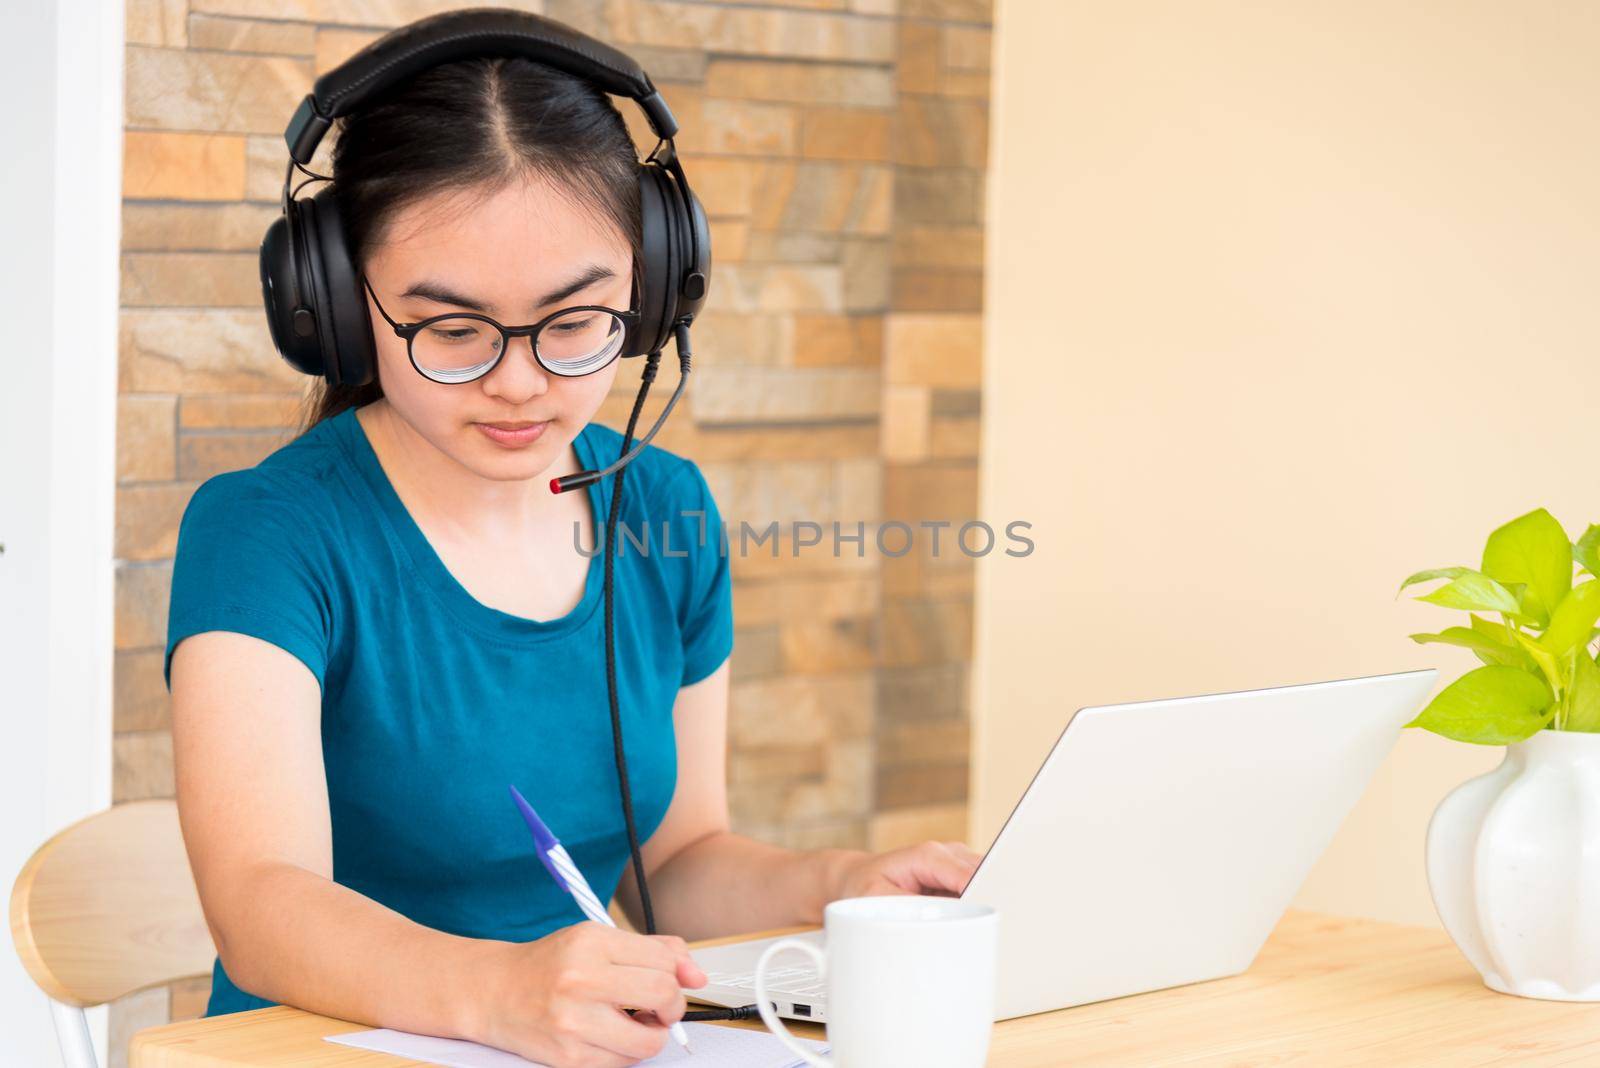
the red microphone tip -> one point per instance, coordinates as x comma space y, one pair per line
576, 480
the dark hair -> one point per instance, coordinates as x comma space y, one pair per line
476, 124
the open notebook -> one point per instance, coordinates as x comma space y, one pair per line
714, 1046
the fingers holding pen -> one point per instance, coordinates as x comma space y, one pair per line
667, 953
648, 989
560, 999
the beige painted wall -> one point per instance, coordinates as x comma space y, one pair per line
1285, 301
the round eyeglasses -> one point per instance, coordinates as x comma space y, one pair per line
462, 346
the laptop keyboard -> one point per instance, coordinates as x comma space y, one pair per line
797, 979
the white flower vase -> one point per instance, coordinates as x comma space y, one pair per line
1514, 866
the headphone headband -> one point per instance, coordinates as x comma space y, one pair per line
463, 34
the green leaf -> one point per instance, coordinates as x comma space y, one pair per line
1475, 593
1429, 576
1504, 635
1545, 659
1532, 549
1573, 620
1586, 550
1490, 650
1491, 705
1583, 703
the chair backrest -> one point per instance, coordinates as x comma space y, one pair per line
108, 907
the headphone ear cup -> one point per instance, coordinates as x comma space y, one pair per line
342, 302
696, 283
677, 252
657, 277
291, 314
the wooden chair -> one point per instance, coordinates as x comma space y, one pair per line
107, 908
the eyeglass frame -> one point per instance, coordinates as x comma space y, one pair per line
408, 331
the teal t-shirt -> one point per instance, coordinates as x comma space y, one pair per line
433, 702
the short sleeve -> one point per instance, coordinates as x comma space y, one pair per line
244, 564
705, 615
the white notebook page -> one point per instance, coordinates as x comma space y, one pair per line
714, 1047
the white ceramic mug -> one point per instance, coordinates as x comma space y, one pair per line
909, 980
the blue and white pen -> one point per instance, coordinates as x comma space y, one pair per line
569, 878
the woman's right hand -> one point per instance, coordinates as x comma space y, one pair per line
558, 1000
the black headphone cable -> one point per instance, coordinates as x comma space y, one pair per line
652, 364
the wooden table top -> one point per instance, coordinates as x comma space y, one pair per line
1325, 990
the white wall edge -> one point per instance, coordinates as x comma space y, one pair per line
83, 413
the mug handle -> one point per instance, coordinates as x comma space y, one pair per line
770, 1018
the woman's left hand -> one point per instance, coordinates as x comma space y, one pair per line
925, 868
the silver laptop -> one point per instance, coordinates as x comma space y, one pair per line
1158, 844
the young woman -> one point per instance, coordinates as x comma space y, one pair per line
388, 621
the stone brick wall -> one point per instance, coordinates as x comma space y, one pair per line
839, 147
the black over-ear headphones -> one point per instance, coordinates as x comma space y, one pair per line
316, 307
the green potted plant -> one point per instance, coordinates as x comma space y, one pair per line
1508, 867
